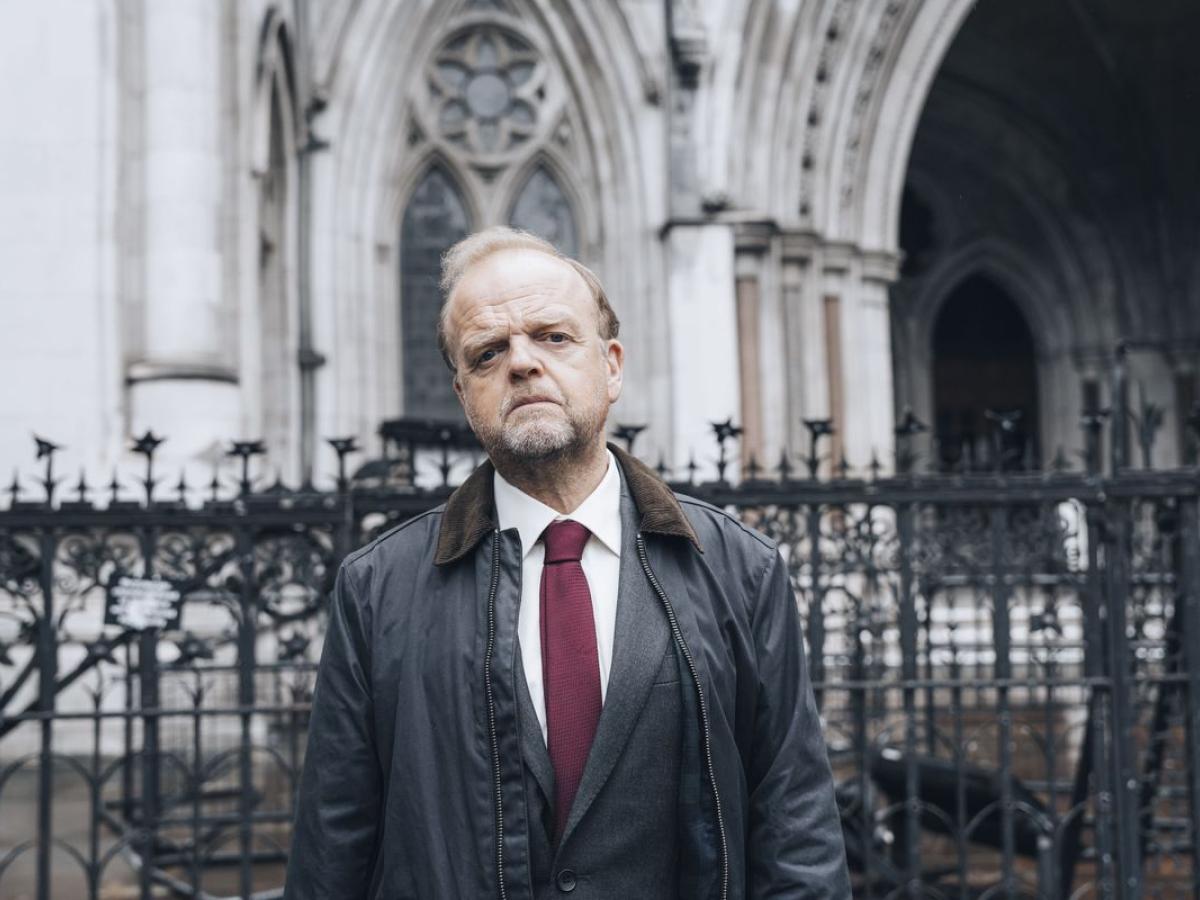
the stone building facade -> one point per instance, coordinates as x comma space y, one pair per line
222, 218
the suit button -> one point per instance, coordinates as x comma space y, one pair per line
566, 881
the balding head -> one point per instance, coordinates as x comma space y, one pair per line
477, 247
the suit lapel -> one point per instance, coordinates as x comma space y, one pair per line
533, 745
640, 642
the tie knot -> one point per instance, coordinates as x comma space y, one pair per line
565, 541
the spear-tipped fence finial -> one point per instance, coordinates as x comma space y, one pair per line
343, 447
146, 445
244, 450
1148, 421
1092, 423
785, 467
843, 467
81, 487
662, 468
817, 430
906, 430
445, 438
46, 450
724, 431
628, 434
753, 469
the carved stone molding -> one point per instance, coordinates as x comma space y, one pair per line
869, 79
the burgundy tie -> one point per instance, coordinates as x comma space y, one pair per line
570, 664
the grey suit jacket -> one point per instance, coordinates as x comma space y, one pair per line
620, 837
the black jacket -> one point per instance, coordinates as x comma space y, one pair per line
413, 781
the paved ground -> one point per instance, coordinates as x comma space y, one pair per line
72, 815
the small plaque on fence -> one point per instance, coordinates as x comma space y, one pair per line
142, 603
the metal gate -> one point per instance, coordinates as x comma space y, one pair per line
1006, 664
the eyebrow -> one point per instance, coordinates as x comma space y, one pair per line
483, 340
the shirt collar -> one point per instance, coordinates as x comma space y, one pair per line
599, 513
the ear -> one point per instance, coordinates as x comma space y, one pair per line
458, 390
614, 358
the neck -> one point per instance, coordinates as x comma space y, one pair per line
561, 482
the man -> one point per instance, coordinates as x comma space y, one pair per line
567, 679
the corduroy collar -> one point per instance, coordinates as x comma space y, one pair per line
471, 510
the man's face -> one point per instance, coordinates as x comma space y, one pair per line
534, 375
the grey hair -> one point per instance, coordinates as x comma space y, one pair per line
476, 247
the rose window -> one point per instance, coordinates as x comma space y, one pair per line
488, 87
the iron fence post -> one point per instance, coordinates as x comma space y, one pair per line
1096, 734
816, 621
1126, 786
148, 698
47, 653
1002, 672
1190, 598
247, 663
911, 849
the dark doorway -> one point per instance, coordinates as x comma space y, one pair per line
984, 381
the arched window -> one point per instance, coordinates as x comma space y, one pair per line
434, 219
542, 208
984, 380
279, 385
495, 111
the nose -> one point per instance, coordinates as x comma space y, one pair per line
523, 361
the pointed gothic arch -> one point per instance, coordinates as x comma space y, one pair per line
540, 203
381, 109
273, 383
984, 372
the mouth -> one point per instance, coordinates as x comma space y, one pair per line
529, 401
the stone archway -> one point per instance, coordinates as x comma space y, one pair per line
985, 384
836, 89
1045, 131
373, 77
1066, 122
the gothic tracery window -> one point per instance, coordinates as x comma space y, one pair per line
436, 217
492, 103
488, 87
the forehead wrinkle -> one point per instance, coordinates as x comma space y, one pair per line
497, 293
516, 314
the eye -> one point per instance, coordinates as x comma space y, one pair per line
486, 356
556, 337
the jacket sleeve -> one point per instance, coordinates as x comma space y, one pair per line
337, 811
794, 837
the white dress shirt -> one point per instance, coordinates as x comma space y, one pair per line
600, 513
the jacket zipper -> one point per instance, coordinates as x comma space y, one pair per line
491, 711
687, 655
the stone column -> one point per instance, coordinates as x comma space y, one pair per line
704, 343
807, 366
752, 242
183, 377
867, 362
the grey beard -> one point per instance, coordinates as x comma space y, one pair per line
537, 449
538, 440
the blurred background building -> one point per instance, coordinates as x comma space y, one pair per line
222, 218
822, 220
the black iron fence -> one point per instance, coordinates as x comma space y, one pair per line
1006, 665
